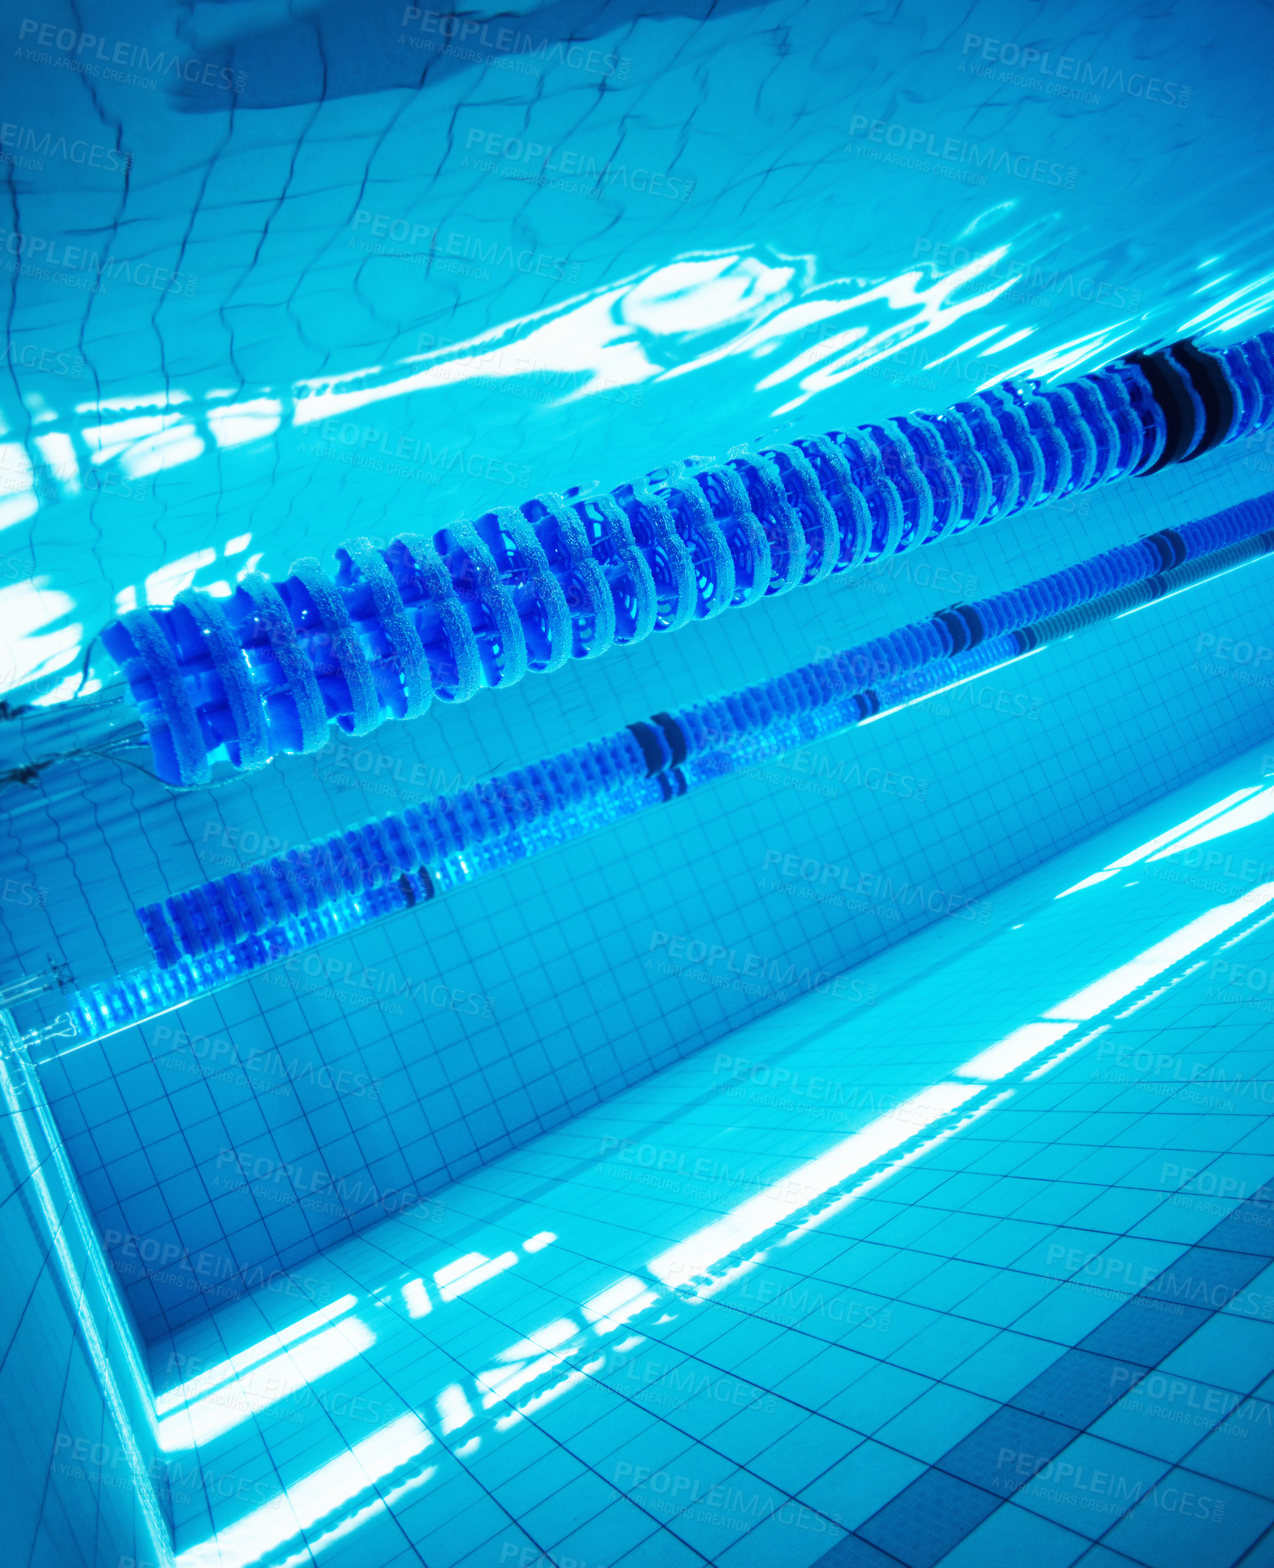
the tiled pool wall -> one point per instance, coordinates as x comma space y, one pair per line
223, 1145
83, 1483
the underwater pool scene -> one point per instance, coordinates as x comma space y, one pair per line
636, 784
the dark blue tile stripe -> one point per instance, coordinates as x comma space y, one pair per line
1077, 1387
978, 1457
932, 1515
1146, 1330
940, 1512
854, 1552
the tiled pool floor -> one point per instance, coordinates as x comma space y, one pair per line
967, 1259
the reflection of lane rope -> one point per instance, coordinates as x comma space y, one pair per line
98, 725
566, 576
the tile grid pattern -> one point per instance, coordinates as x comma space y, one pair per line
938, 1312
277, 1076
944, 1506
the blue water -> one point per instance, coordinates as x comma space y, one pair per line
567, 1258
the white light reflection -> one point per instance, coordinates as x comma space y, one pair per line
610, 1309
28, 651
210, 1378
940, 691
163, 585
1166, 842
1253, 810
467, 1273
680, 1263
1101, 994
252, 420
1087, 349
454, 1409
920, 311
17, 484
1241, 306
1018, 1048
416, 1298
249, 1393
309, 1501
527, 1360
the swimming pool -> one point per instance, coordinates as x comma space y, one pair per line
286, 1124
